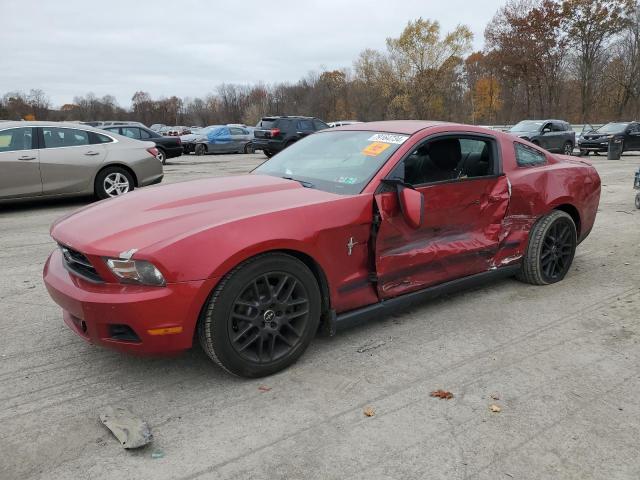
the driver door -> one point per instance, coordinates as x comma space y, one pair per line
462, 217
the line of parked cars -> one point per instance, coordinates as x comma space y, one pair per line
558, 136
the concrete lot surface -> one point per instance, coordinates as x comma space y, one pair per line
562, 362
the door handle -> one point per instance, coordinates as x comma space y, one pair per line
26, 157
91, 153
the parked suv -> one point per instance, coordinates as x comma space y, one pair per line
598, 140
552, 135
273, 134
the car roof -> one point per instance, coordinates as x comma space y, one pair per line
126, 125
407, 127
35, 123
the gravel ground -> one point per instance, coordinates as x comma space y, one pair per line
562, 363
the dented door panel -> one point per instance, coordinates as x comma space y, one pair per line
461, 234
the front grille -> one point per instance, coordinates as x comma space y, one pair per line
77, 263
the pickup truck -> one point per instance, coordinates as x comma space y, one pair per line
552, 135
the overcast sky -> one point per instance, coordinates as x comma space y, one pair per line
187, 47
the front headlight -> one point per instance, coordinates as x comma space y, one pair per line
139, 272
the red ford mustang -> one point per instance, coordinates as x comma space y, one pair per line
342, 226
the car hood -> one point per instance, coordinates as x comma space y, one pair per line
153, 218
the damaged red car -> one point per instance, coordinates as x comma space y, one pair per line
340, 227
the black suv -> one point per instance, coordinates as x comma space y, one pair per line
597, 140
273, 134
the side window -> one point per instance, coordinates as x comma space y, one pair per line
449, 159
144, 134
131, 132
557, 127
528, 157
634, 128
16, 139
96, 138
319, 125
305, 125
236, 131
55, 137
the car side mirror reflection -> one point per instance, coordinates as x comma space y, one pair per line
412, 205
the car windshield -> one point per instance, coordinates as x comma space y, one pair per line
617, 127
526, 126
338, 162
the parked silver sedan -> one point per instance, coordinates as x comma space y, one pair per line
44, 159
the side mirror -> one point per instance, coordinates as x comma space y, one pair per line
412, 205
546, 130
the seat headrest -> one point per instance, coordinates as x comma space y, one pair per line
446, 153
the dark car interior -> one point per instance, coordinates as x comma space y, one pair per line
449, 159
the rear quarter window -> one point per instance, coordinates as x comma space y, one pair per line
97, 138
529, 157
268, 123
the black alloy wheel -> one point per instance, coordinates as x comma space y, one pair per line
568, 148
551, 248
269, 317
557, 250
261, 316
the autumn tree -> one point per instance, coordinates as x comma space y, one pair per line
525, 38
591, 25
486, 99
422, 59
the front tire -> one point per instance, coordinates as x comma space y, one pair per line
113, 182
262, 316
551, 248
162, 156
638, 201
267, 153
248, 148
201, 149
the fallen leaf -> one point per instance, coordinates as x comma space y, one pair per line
495, 397
369, 411
264, 388
442, 394
495, 408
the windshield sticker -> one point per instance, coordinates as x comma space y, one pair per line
389, 138
376, 148
347, 180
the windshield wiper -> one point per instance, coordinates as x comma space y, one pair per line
301, 182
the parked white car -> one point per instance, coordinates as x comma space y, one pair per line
45, 159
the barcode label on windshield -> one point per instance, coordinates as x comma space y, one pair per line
389, 138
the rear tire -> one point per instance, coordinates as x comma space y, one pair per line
262, 316
638, 201
551, 248
567, 149
113, 182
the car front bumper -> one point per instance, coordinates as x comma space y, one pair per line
162, 318
594, 146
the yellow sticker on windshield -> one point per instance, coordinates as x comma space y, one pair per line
376, 148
